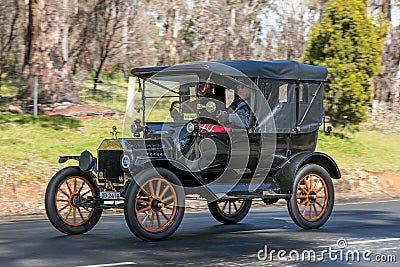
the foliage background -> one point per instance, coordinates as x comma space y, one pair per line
61, 40
350, 45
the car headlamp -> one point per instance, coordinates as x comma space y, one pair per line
86, 161
190, 127
133, 128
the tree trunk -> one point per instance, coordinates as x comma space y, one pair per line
47, 53
7, 37
232, 34
97, 79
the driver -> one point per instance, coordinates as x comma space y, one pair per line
207, 95
205, 90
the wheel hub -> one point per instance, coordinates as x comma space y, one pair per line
156, 205
312, 197
76, 200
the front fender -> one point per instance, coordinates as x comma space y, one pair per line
288, 170
64, 159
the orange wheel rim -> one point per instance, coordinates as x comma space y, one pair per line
156, 205
312, 197
70, 191
231, 208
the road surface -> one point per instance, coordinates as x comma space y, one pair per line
363, 234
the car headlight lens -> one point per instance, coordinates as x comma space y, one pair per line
86, 161
190, 127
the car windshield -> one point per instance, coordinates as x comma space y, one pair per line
175, 97
160, 94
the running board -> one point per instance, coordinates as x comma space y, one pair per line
218, 189
253, 196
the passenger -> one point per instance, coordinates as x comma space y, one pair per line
240, 107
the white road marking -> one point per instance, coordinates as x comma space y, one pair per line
373, 241
263, 230
393, 248
109, 264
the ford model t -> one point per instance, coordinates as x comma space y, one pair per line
226, 131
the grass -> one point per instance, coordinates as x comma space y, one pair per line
32, 145
368, 149
111, 96
54, 122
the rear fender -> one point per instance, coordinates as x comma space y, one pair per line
288, 170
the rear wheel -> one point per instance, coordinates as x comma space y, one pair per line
312, 200
154, 204
64, 194
229, 211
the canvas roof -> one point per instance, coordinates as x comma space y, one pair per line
273, 69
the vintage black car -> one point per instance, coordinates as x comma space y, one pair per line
226, 131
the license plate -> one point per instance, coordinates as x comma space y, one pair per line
110, 195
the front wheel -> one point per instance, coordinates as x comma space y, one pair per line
154, 204
312, 199
229, 211
65, 191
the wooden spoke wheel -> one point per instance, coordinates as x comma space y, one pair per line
154, 204
229, 211
66, 194
313, 197
69, 194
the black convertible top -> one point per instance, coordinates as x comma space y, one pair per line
273, 69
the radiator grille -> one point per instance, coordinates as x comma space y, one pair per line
109, 163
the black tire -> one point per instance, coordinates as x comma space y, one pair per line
221, 210
154, 204
312, 198
65, 186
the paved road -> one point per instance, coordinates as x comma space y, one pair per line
371, 230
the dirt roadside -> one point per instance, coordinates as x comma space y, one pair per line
26, 198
